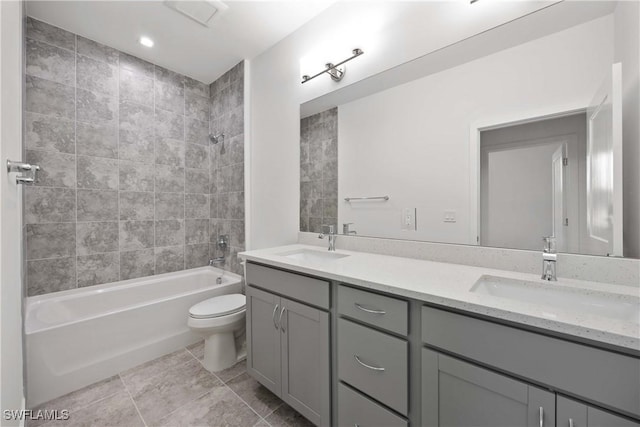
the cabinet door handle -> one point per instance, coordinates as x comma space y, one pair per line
369, 310
373, 368
541, 416
570, 422
280, 319
273, 316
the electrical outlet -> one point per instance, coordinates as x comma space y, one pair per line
408, 219
449, 216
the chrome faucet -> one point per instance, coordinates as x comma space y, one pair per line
218, 260
222, 242
345, 229
549, 258
332, 236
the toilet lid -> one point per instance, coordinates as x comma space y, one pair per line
218, 306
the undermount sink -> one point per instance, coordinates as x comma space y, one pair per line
309, 255
557, 298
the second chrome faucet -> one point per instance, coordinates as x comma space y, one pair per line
331, 234
549, 259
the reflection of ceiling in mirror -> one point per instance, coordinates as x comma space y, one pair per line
460, 46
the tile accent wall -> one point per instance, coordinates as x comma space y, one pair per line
124, 189
319, 171
227, 164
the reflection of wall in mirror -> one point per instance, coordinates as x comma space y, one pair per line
411, 142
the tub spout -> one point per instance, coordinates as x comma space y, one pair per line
219, 260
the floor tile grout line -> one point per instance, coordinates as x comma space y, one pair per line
262, 419
274, 410
242, 400
216, 375
135, 405
235, 376
191, 353
225, 384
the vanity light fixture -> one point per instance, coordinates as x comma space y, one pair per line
146, 41
336, 71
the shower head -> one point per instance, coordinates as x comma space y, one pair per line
216, 138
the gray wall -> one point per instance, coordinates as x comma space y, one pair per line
227, 163
319, 171
126, 181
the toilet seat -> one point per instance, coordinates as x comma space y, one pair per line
219, 306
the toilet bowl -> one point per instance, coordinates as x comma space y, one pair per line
221, 321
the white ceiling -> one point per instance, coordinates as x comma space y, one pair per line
245, 30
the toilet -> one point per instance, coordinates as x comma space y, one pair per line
221, 321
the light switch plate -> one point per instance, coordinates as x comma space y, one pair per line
408, 219
449, 216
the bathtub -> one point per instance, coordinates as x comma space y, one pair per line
77, 337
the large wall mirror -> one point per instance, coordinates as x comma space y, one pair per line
525, 131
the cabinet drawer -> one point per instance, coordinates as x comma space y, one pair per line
378, 310
375, 363
594, 374
295, 286
354, 409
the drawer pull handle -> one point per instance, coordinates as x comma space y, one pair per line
373, 368
273, 316
570, 422
541, 417
369, 310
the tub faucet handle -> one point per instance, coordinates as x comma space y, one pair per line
223, 242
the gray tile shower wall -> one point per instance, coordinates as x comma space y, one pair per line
124, 189
227, 164
319, 171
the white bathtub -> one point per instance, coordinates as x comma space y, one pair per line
77, 337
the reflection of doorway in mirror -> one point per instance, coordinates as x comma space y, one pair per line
531, 186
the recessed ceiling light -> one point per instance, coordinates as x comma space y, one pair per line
146, 41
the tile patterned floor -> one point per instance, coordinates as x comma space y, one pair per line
175, 390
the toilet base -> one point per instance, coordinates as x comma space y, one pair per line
219, 352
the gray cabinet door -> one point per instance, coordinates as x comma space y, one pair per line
263, 338
305, 361
572, 413
457, 394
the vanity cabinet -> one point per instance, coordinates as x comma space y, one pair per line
343, 355
456, 393
288, 348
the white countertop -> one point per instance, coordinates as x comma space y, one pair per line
449, 285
